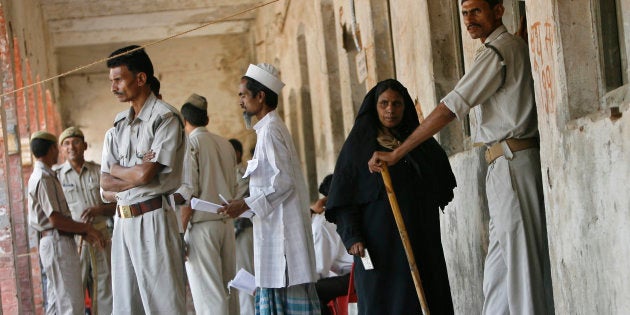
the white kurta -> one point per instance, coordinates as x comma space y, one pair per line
283, 243
331, 256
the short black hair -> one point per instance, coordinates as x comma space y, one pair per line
271, 98
136, 62
324, 187
195, 116
238, 146
155, 87
492, 3
40, 147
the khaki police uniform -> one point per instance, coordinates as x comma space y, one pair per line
57, 250
517, 278
210, 237
82, 190
147, 269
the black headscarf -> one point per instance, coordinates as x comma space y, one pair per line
353, 184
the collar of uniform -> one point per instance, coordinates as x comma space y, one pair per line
495, 34
66, 167
44, 167
147, 108
198, 130
265, 121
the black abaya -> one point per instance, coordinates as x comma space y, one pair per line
358, 204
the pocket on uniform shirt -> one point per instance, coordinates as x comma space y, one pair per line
144, 144
95, 187
71, 193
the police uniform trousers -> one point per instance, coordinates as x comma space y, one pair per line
97, 262
516, 275
147, 268
60, 262
211, 265
245, 260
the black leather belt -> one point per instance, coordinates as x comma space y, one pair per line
139, 208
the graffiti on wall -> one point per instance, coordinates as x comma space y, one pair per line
541, 51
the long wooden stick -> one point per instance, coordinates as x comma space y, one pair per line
400, 223
80, 245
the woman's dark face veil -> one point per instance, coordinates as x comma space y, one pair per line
368, 114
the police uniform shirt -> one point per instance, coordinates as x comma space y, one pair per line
158, 128
45, 195
212, 164
82, 190
508, 110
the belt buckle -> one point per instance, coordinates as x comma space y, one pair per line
125, 212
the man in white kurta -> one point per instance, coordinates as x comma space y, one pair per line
209, 236
284, 258
332, 260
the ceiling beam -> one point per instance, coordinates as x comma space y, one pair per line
61, 10
143, 35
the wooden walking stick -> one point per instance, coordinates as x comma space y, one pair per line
80, 245
405, 239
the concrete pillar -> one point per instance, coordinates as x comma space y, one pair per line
376, 39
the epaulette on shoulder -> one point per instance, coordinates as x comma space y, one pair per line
167, 111
120, 116
92, 163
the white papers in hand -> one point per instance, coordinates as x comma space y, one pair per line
367, 262
208, 206
203, 205
243, 281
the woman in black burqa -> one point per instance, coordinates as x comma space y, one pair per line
358, 204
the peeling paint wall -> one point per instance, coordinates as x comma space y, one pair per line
585, 149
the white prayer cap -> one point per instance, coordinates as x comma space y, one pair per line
267, 75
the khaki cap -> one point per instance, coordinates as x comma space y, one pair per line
44, 135
71, 132
197, 101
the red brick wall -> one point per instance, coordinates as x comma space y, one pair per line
13, 199
24, 112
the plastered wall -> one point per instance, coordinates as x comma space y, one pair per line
585, 158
